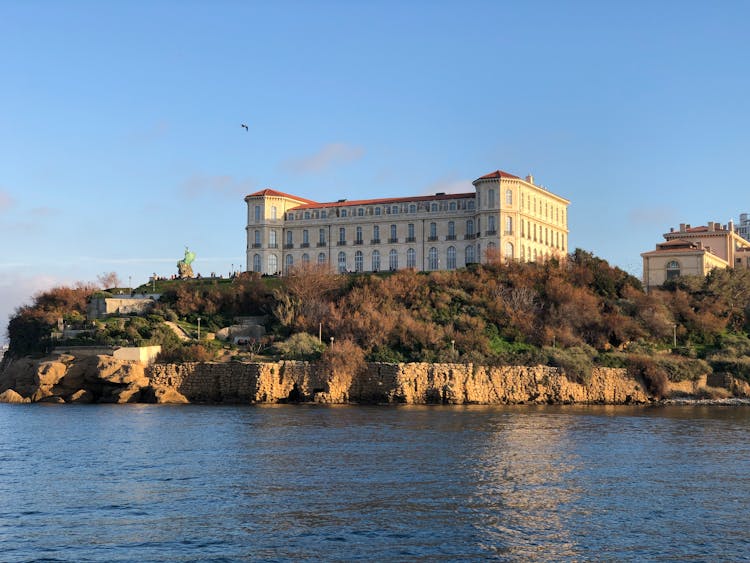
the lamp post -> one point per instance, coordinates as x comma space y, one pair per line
130, 285
331, 342
453, 345
199, 328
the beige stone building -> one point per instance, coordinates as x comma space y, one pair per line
504, 216
695, 251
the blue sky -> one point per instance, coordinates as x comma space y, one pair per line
120, 137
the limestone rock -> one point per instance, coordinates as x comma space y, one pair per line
50, 373
10, 396
56, 399
164, 395
81, 396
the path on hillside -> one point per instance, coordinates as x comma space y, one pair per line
178, 330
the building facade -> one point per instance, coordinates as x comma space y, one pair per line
743, 229
695, 251
505, 216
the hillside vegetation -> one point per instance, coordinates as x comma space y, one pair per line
574, 314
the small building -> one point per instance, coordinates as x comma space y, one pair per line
695, 251
100, 306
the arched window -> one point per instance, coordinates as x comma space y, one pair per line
491, 199
432, 259
411, 258
342, 262
375, 261
322, 258
289, 263
273, 264
257, 213
509, 251
305, 258
470, 227
359, 261
393, 260
509, 197
256, 263
470, 259
673, 269
451, 258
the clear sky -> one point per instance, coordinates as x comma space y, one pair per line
120, 136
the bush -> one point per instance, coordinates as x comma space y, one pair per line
344, 357
651, 373
301, 346
737, 367
187, 353
576, 362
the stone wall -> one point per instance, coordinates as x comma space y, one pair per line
417, 383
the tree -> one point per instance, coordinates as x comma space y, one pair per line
108, 280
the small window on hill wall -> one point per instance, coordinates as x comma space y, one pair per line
673, 270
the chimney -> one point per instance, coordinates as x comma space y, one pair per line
711, 226
731, 225
671, 229
687, 226
530, 179
682, 227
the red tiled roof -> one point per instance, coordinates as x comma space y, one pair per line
498, 174
677, 242
356, 202
677, 251
274, 193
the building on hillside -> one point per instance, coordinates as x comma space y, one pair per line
504, 216
743, 229
695, 251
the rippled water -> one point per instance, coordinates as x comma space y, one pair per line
290, 483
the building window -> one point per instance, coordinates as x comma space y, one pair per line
273, 212
410, 230
433, 207
394, 210
359, 261
307, 214
509, 251
342, 235
305, 237
359, 235
375, 261
523, 253
376, 235
393, 260
470, 228
257, 238
272, 239
432, 259
394, 236
342, 213
323, 214
451, 257
673, 270
289, 262
411, 258
491, 199
412, 208
491, 230
257, 213
377, 211
433, 231
256, 263
321, 236
471, 205
273, 264
360, 212
452, 206
509, 197
451, 230
305, 258
342, 262
470, 259
289, 238
509, 225
290, 216
322, 258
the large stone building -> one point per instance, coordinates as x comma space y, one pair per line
695, 251
743, 229
504, 216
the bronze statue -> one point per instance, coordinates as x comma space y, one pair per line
184, 269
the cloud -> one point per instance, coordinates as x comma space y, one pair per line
449, 186
6, 202
224, 186
656, 216
330, 155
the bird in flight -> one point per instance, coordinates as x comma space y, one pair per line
245, 126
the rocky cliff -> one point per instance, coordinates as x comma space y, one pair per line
104, 379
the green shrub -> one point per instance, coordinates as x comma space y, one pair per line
300, 346
576, 362
737, 367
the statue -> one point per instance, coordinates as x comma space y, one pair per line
184, 268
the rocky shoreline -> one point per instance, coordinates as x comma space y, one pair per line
103, 379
